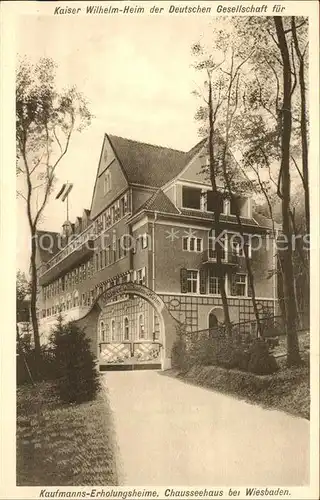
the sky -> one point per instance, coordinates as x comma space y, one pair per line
137, 75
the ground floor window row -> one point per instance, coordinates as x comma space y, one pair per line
128, 328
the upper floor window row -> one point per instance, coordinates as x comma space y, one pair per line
205, 200
112, 214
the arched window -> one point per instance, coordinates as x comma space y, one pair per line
126, 328
63, 303
75, 298
141, 326
113, 329
102, 332
69, 301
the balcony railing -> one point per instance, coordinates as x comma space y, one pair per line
77, 252
209, 256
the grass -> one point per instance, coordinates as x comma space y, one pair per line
63, 444
287, 390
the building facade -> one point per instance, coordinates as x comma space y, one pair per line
151, 222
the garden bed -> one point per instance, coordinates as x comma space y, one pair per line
63, 444
287, 390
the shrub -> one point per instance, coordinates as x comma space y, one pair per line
240, 359
78, 378
261, 362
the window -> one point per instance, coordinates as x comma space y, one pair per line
214, 283
125, 244
214, 201
126, 328
144, 240
122, 207
191, 197
221, 240
192, 281
119, 248
69, 301
102, 332
107, 182
192, 244
117, 211
238, 244
141, 326
241, 284
238, 205
97, 261
141, 275
76, 299
113, 329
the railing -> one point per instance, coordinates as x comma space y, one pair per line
86, 238
209, 256
270, 327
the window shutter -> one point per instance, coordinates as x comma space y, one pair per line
184, 280
233, 284
203, 281
248, 287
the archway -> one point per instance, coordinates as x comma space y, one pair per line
132, 353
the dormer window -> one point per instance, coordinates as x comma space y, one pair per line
107, 182
191, 198
214, 201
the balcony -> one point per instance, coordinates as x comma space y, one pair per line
229, 258
70, 257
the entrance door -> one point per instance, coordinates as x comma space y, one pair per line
213, 320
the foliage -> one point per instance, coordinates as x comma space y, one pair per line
223, 351
78, 377
22, 291
287, 390
260, 361
45, 121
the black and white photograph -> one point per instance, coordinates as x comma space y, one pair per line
165, 330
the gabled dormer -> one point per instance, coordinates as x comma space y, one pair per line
191, 190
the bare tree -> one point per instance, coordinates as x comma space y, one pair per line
220, 116
301, 54
293, 355
45, 121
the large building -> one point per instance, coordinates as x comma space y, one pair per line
151, 222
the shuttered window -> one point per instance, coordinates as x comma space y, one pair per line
184, 280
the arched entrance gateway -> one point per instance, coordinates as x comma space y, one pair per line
125, 340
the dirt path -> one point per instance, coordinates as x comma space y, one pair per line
172, 433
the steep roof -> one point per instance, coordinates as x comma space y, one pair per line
148, 164
159, 202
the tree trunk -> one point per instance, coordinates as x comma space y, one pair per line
217, 212
293, 355
303, 124
33, 298
248, 264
